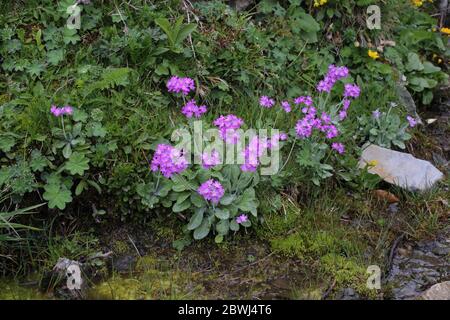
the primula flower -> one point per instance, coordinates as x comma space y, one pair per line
273, 142
445, 30
61, 111
346, 104
334, 74
242, 219
180, 85
228, 126
412, 121
266, 102
331, 132
211, 190
253, 152
210, 160
306, 100
373, 54
376, 114
190, 109
339, 147
352, 90
286, 106
168, 160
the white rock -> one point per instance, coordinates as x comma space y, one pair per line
399, 168
440, 291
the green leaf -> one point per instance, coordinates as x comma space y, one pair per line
67, 151
234, 226
77, 164
38, 161
203, 230
80, 187
227, 199
6, 143
54, 57
222, 213
414, 63
247, 201
185, 31
179, 207
57, 196
223, 226
196, 219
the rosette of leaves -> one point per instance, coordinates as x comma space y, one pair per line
179, 193
386, 130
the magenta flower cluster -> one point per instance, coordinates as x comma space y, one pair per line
266, 102
228, 126
168, 160
211, 190
339, 147
191, 109
57, 112
242, 219
412, 121
211, 159
351, 91
256, 148
334, 74
180, 85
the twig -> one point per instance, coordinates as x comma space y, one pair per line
330, 288
391, 254
132, 242
251, 264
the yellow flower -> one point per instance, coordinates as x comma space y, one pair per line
373, 54
445, 30
417, 3
439, 61
372, 163
318, 3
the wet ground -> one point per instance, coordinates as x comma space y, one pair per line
418, 266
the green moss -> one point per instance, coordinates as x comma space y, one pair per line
120, 247
153, 279
11, 290
347, 272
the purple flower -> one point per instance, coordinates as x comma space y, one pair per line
339, 147
342, 115
346, 104
228, 126
412, 121
61, 111
331, 132
253, 152
325, 118
286, 106
273, 142
306, 100
210, 160
190, 109
183, 85
211, 190
352, 90
242, 219
334, 74
376, 114
168, 160
266, 102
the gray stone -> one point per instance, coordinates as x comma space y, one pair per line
401, 169
439, 291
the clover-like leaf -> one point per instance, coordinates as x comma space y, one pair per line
57, 196
77, 164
